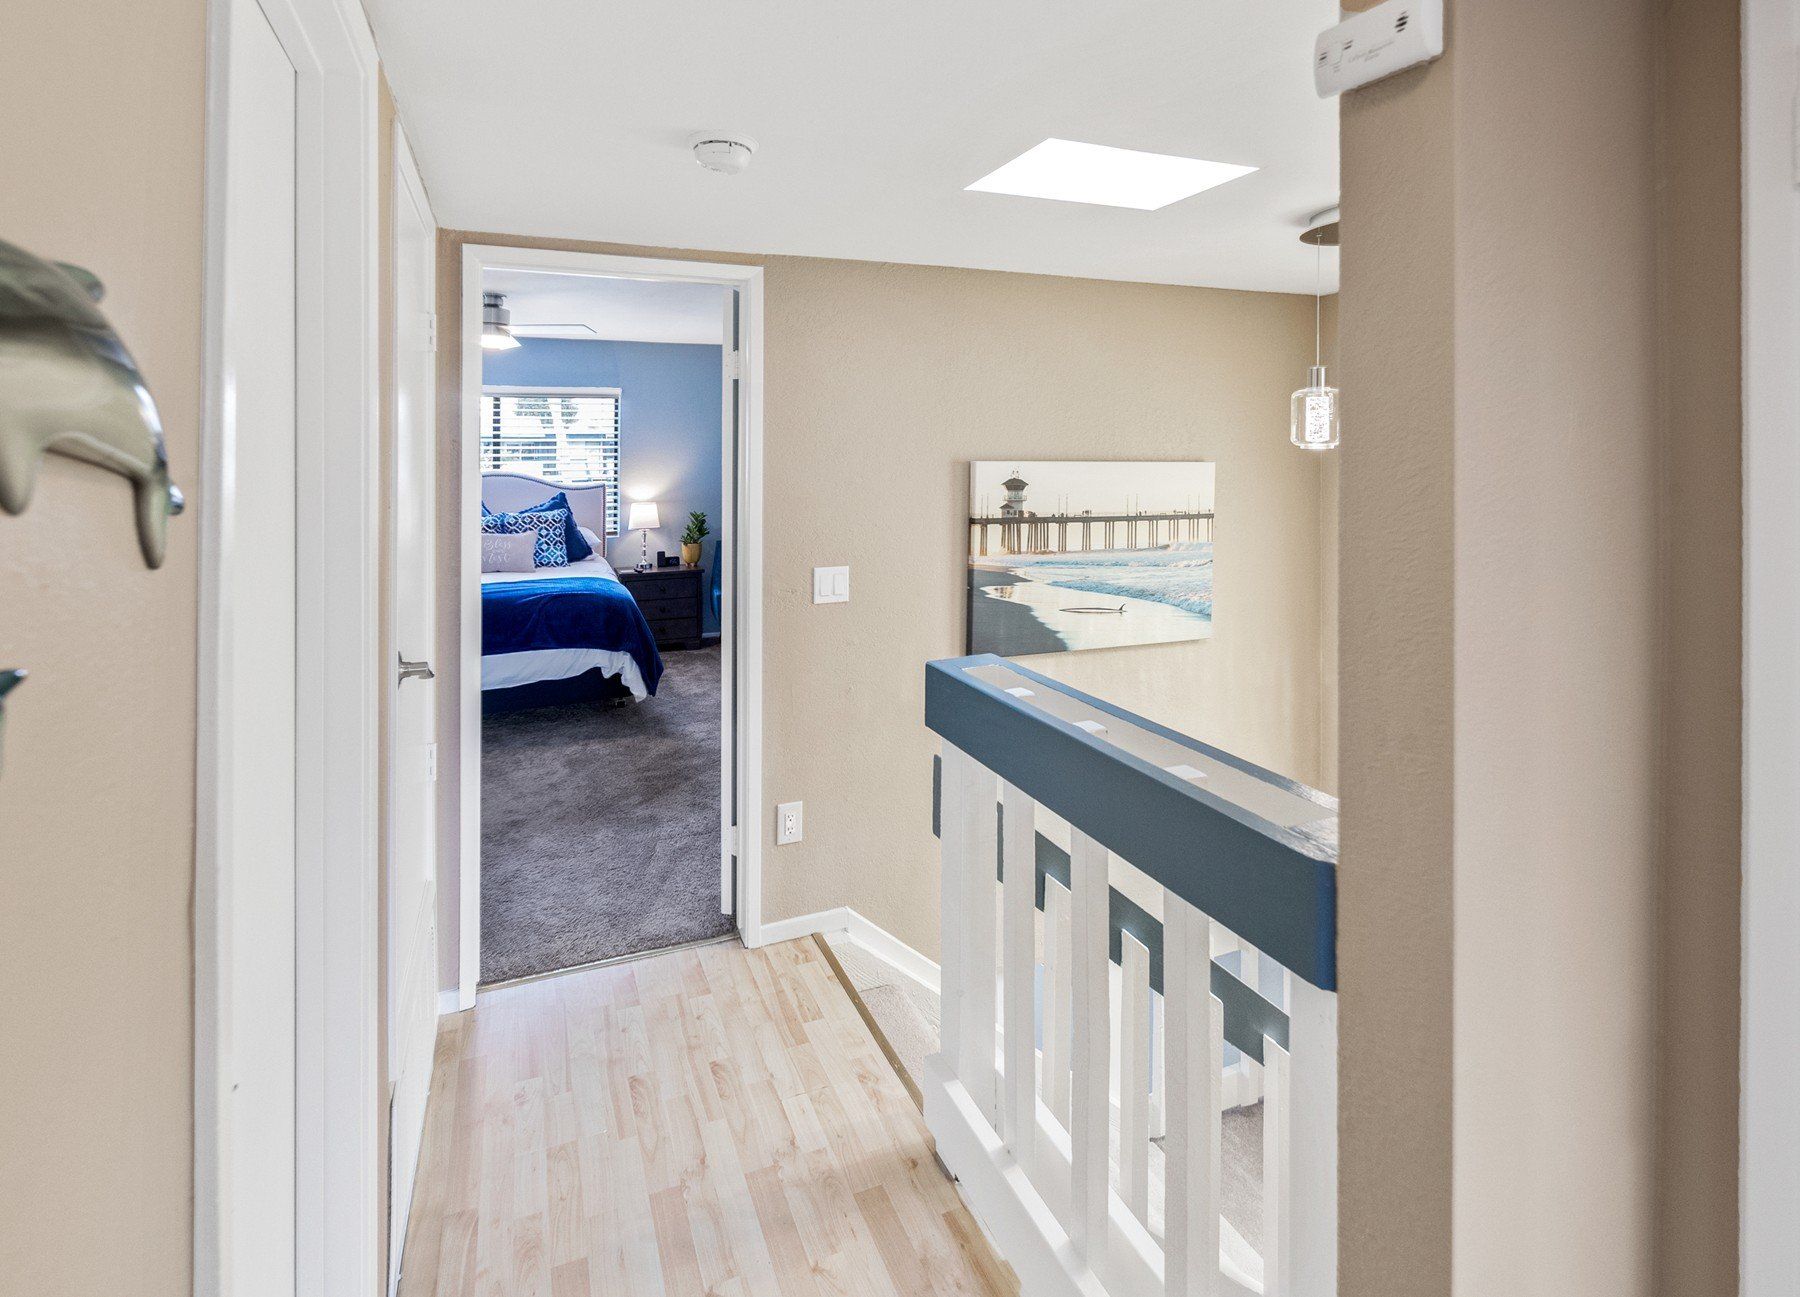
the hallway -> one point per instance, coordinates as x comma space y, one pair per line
712, 1120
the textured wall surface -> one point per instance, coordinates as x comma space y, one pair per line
1539, 658
1701, 611
97, 797
1558, 644
1395, 325
881, 383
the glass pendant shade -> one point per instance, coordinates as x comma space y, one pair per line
1314, 420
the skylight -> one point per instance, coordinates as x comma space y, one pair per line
1071, 172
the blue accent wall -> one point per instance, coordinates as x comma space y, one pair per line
669, 426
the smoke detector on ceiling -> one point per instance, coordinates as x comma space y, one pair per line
726, 154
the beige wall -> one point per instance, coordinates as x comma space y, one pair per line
882, 382
1395, 327
96, 801
101, 150
1700, 550
1539, 535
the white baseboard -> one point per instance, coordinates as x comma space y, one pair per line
895, 953
805, 925
872, 937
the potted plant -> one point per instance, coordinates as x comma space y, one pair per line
696, 531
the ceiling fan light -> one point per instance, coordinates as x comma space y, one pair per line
496, 333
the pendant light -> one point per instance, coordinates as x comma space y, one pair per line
1313, 416
496, 324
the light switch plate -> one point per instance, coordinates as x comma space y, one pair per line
831, 585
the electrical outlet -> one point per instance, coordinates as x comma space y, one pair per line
789, 823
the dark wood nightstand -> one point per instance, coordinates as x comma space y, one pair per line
670, 600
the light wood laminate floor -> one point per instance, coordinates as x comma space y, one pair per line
713, 1120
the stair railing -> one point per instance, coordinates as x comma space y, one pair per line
1098, 873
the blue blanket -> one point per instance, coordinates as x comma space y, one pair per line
571, 612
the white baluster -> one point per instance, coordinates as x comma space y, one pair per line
1159, 1052
952, 846
1056, 999
1249, 1079
1196, 1041
1277, 1179
1090, 1124
1019, 960
980, 968
1134, 1076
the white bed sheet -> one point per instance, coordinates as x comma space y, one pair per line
509, 670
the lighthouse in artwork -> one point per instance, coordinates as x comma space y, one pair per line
1012, 536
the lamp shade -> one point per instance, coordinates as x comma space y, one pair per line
642, 516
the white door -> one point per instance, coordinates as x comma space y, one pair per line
255, 481
412, 751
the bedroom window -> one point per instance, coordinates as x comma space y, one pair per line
567, 437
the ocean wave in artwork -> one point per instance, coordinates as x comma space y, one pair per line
1179, 575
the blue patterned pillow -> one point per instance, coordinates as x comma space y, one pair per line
550, 547
577, 543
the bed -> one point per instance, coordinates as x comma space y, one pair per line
560, 634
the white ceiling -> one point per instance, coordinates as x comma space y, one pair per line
625, 310
570, 118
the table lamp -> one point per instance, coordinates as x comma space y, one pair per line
643, 518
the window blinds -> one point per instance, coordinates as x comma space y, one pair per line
572, 440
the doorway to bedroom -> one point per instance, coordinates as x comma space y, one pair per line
607, 452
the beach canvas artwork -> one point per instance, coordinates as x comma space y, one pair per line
1066, 555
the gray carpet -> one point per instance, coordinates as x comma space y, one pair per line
600, 826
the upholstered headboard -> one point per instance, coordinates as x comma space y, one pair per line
503, 492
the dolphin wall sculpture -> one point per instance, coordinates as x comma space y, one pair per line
68, 385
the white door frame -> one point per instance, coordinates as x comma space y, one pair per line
743, 509
1769, 1130
336, 1007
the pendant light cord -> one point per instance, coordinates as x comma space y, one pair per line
1319, 303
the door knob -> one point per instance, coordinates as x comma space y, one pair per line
415, 670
